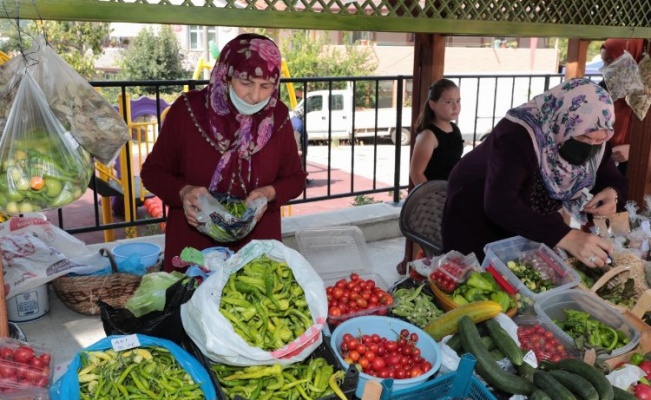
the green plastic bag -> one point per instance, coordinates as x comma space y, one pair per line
150, 295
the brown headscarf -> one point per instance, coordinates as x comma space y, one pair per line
623, 113
239, 136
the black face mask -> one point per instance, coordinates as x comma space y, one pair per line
578, 153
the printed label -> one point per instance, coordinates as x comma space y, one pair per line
530, 358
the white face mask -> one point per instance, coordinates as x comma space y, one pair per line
242, 106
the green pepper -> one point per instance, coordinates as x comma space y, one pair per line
503, 299
475, 294
476, 280
636, 359
459, 300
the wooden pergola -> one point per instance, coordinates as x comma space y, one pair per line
430, 20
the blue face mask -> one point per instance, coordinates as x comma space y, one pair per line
242, 106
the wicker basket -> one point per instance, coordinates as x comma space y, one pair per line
447, 303
81, 293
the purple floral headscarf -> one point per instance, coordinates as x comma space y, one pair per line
239, 136
575, 107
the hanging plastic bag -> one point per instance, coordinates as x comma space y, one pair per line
226, 218
214, 334
640, 101
91, 119
622, 76
67, 387
9, 80
150, 295
41, 165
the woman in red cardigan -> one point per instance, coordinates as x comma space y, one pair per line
235, 137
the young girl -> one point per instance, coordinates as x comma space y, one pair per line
438, 144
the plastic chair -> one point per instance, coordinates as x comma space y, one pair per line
421, 214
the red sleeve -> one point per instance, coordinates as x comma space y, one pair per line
512, 164
290, 179
161, 172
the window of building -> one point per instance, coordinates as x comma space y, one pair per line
196, 40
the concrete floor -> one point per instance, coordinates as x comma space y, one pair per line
66, 332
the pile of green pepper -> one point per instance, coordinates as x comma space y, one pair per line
313, 379
590, 332
482, 286
415, 306
265, 304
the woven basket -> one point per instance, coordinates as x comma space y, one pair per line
81, 293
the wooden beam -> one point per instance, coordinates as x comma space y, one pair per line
639, 160
577, 54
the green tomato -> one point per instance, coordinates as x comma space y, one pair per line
53, 187
12, 208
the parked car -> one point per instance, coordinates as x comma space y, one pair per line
344, 121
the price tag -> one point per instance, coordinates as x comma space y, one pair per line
125, 342
530, 358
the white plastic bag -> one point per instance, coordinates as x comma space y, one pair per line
51, 235
640, 101
622, 76
214, 334
218, 221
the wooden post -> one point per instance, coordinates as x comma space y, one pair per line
4, 318
577, 53
429, 63
639, 160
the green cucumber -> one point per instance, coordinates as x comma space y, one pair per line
504, 342
551, 386
488, 342
455, 343
526, 371
622, 394
576, 383
539, 394
591, 374
486, 366
497, 354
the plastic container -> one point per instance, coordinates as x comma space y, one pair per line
449, 275
36, 377
29, 306
335, 253
533, 320
387, 327
147, 253
460, 384
551, 308
550, 265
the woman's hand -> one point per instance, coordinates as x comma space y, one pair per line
268, 192
590, 249
603, 203
190, 199
620, 153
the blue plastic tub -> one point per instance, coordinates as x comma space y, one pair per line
147, 253
460, 384
387, 327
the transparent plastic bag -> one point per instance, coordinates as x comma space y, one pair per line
640, 101
9, 80
41, 165
226, 218
150, 295
91, 119
622, 76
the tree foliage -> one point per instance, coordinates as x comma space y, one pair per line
308, 57
154, 54
593, 49
78, 43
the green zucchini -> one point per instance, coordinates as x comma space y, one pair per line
504, 342
591, 374
539, 394
488, 342
486, 366
551, 386
622, 394
577, 384
526, 371
455, 343
497, 354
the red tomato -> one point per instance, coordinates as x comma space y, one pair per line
23, 354
642, 392
334, 312
6, 353
37, 362
7, 370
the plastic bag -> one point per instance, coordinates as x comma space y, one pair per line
67, 387
640, 101
164, 324
214, 334
622, 76
150, 295
41, 165
91, 119
9, 80
226, 218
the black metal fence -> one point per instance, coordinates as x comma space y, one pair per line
485, 99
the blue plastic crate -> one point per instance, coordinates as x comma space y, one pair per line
459, 384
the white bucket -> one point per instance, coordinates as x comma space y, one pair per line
29, 306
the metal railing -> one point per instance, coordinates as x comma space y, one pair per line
485, 99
